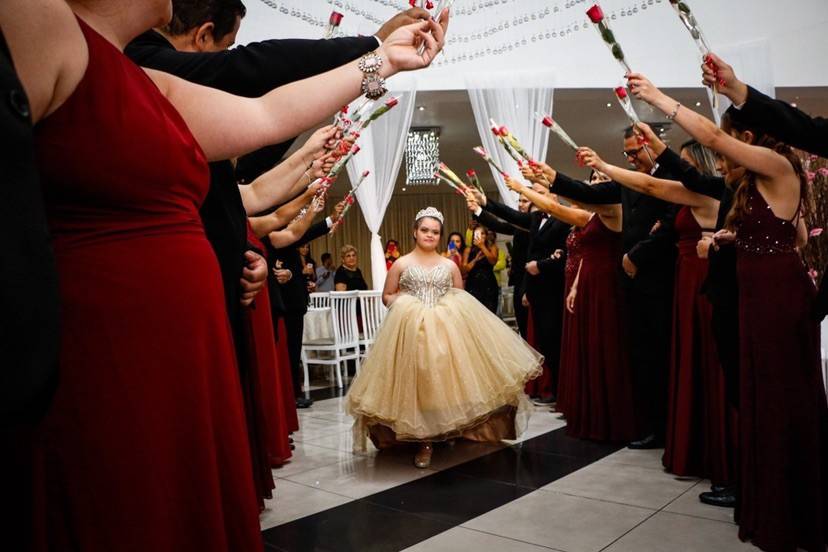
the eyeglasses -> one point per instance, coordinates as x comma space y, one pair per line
633, 152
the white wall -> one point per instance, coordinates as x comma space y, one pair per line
654, 40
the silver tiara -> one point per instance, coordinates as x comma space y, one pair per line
430, 212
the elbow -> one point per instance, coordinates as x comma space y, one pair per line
711, 137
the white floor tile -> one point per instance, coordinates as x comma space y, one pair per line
689, 504
293, 501
460, 538
667, 532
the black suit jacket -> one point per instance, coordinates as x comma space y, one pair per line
544, 240
652, 252
249, 71
786, 123
28, 277
294, 292
520, 246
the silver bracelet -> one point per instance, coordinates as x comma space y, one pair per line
672, 115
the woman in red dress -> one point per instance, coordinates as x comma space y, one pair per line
783, 415
597, 382
698, 423
145, 446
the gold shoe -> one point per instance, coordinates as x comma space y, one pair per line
423, 457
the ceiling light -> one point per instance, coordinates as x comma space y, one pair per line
422, 156
421, 108
698, 104
609, 105
403, 189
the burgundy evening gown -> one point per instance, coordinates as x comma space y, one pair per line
566, 371
145, 447
783, 418
698, 419
599, 396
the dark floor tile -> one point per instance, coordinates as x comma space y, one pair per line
557, 442
449, 496
522, 467
358, 526
330, 392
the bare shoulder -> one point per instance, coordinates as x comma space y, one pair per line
48, 49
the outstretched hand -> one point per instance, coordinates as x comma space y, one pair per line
401, 46
643, 89
403, 18
588, 157
716, 72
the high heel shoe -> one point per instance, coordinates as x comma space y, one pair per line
423, 457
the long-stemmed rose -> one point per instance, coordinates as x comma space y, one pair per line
474, 181
444, 171
596, 15
689, 20
479, 150
333, 24
626, 103
553, 125
376, 114
349, 199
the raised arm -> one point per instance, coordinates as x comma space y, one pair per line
281, 217
779, 119
228, 126
297, 228
287, 179
605, 193
668, 190
512, 216
757, 159
549, 204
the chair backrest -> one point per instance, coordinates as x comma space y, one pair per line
320, 300
344, 317
507, 305
373, 313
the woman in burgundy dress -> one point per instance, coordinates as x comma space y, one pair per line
145, 447
783, 416
698, 421
598, 398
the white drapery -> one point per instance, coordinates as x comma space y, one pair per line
752, 63
382, 147
512, 99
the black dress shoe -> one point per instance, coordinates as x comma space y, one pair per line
545, 402
302, 402
725, 499
718, 489
648, 442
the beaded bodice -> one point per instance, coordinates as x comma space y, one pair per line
428, 285
763, 233
573, 257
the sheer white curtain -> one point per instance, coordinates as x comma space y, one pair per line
383, 145
752, 63
512, 99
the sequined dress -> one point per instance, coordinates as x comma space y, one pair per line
442, 367
783, 418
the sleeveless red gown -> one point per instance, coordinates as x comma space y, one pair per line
599, 396
783, 417
145, 447
699, 423
263, 353
565, 370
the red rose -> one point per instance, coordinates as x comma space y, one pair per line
355, 149
596, 15
621, 92
548, 121
336, 18
412, 3
365, 174
470, 173
392, 102
504, 131
429, 5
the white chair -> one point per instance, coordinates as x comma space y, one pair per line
506, 307
321, 300
345, 341
373, 313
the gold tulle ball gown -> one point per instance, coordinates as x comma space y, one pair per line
442, 367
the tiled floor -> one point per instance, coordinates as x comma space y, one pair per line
543, 492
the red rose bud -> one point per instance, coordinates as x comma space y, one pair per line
355, 149
548, 121
365, 174
412, 3
504, 131
350, 200
429, 5
344, 109
470, 173
335, 19
621, 92
392, 102
596, 15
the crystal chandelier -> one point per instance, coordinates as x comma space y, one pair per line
422, 156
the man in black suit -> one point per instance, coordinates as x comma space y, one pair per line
519, 255
543, 281
29, 339
649, 263
778, 119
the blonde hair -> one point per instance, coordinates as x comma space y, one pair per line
347, 249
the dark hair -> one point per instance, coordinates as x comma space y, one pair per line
733, 121
325, 256
419, 220
462, 241
389, 242
190, 14
629, 132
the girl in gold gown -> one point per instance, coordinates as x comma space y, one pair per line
442, 365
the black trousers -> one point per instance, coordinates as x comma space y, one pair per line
547, 318
650, 321
521, 313
294, 327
